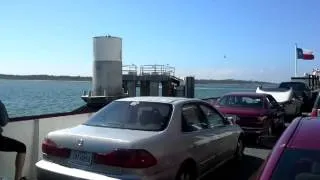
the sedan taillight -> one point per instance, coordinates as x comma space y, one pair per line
127, 158
50, 148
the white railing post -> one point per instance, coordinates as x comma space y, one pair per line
34, 149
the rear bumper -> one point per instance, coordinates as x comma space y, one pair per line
50, 171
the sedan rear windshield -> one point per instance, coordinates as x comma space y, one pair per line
241, 101
148, 116
298, 164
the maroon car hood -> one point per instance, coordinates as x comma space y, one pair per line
248, 116
251, 112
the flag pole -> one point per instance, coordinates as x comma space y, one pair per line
295, 61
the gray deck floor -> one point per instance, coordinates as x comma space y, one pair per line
246, 169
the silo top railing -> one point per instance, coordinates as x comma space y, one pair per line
157, 70
130, 69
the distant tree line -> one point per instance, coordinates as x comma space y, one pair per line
45, 77
228, 81
83, 78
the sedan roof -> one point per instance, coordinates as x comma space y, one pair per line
306, 135
156, 99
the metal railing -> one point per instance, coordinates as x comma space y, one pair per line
157, 70
130, 69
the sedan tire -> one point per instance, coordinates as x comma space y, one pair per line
239, 151
187, 172
281, 127
270, 130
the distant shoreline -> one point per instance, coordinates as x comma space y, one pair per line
89, 79
229, 81
44, 77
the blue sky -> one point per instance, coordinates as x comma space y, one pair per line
257, 36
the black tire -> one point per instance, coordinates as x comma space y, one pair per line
238, 156
281, 127
270, 130
267, 133
187, 171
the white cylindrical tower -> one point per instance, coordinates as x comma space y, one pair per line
107, 66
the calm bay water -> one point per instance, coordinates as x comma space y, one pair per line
23, 98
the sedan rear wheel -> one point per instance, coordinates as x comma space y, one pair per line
240, 150
186, 172
185, 176
266, 133
281, 126
270, 130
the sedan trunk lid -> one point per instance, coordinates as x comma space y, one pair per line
98, 139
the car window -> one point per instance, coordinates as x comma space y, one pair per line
214, 119
298, 164
148, 116
192, 119
242, 101
272, 102
294, 95
269, 103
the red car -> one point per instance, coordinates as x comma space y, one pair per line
296, 154
258, 114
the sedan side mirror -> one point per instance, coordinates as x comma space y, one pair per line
230, 119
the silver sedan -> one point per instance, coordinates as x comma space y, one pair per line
143, 138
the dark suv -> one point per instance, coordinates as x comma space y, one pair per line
301, 89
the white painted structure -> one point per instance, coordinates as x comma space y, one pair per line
107, 66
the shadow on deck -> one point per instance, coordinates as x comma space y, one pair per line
247, 168
244, 170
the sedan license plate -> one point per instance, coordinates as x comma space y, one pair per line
80, 157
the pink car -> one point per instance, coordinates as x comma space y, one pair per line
296, 154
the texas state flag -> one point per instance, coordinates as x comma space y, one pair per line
304, 54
